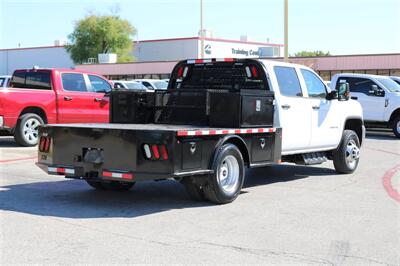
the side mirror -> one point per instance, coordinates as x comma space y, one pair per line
376, 91
344, 91
332, 95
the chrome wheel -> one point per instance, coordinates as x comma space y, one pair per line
352, 154
398, 126
31, 130
228, 175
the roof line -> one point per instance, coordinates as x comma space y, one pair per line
207, 39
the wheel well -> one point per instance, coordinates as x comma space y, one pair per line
35, 110
393, 116
242, 148
356, 126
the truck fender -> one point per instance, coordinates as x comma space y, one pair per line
394, 114
35, 110
356, 124
238, 142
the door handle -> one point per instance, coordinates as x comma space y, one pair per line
98, 99
316, 107
354, 98
285, 106
67, 98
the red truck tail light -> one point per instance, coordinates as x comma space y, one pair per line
44, 144
164, 152
155, 152
154, 149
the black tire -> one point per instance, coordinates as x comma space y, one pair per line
346, 156
111, 185
215, 190
396, 126
194, 190
26, 132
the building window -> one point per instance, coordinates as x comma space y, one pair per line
384, 72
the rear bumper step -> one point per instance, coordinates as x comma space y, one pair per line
114, 175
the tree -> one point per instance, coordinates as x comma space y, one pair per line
311, 53
94, 35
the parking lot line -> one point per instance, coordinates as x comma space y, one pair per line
17, 159
387, 183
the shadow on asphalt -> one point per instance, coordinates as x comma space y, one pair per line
75, 199
8, 142
381, 134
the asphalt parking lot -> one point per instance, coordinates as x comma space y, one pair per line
286, 214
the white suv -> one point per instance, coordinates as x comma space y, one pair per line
379, 97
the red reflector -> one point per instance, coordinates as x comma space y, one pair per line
164, 152
127, 176
47, 146
156, 154
42, 143
198, 61
228, 59
254, 72
180, 72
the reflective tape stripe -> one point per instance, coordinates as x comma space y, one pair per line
118, 175
225, 131
61, 170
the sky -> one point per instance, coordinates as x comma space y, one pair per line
338, 26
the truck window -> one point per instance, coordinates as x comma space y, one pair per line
73, 82
315, 87
31, 80
99, 84
289, 84
359, 85
147, 85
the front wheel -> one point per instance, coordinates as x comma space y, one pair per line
396, 126
347, 155
225, 184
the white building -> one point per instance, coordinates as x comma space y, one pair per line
46, 57
144, 51
184, 48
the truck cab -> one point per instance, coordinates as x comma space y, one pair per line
379, 97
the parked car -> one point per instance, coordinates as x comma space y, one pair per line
198, 135
128, 84
153, 84
4, 81
379, 97
41, 96
397, 79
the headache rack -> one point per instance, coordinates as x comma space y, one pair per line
218, 94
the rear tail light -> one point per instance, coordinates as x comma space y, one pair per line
155, 152
251, 71
154, 149
164, 152
44, 144
254, 72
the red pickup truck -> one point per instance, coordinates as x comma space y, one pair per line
49, 96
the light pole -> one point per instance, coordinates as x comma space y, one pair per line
286, 30
201, 31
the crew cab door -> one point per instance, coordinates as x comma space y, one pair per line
373, 105
100, 89
325, 119
77, 103
293, 110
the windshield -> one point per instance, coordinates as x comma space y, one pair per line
134, 86
389, 84
2, 82
161, 85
